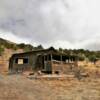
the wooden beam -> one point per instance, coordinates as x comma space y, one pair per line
52, 63
61, 60
51, 57
44, 62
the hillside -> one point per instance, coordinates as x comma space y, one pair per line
21, 87
5, 44
7, 48
81, 53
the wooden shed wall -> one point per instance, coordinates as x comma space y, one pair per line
29, 66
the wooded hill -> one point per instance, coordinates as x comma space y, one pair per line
11, 45
81, 53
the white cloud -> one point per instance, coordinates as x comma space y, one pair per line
13, 38
61, 23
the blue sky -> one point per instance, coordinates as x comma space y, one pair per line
58, 23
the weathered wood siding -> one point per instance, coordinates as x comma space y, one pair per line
62, 67
28, 66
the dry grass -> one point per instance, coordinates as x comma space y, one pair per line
16, 87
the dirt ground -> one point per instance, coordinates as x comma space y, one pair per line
17, 87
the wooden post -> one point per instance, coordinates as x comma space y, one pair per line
76, 61
61, 59
44, 63
69, 59
61, 64
52, 63
51, 58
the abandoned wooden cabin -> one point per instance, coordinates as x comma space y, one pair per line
47, 61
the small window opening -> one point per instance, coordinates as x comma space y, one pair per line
25, 60
21, 61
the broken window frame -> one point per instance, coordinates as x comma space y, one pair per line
23, 62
